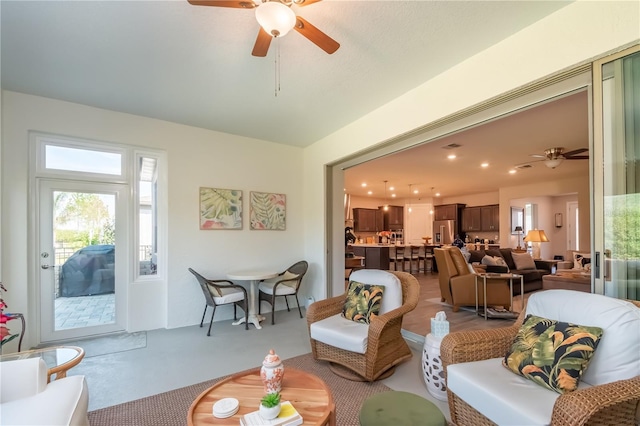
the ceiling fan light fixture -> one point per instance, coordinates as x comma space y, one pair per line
275, 18
553, 163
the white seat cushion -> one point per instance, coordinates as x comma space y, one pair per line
283, 289
227, 295
616, 357
342, 333
500, 395
286, 276
392, 296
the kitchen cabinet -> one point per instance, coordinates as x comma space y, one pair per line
447, 212
365, 220
393, 218
490, 217
472, 219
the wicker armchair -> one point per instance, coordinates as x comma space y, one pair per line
614, 403
385, 345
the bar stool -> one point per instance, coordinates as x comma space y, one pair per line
396, 256
411, 254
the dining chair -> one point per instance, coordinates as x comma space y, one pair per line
285, 284
222, 292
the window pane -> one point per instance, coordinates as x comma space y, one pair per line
82, 160
147, 181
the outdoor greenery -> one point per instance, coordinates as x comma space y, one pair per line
82, 219
622, 226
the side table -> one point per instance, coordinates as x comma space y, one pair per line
432, 370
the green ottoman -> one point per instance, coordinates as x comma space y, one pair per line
395, 408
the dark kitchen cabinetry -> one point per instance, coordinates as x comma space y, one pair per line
365, 220
481, 218
447, 212
490, 218
374, 257
393, 218
471, 219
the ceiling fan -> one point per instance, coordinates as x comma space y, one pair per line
553, 157
276, 18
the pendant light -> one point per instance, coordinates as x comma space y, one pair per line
386, 206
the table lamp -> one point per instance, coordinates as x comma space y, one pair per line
518, 229
536, 236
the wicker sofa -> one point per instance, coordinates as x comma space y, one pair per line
483, 392
532, 277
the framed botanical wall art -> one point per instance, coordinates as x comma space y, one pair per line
220, 208
267, 211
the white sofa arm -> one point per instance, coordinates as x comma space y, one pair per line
22, 378
27, 399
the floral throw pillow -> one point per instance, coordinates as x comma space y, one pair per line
553, 354
363, 302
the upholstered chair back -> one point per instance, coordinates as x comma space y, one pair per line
616, 357
461, 264
392, 296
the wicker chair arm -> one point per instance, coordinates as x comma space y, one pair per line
616, 402
476, 345
325, 308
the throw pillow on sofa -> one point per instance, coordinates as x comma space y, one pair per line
553, 354
493, 261
523, 261
581, 260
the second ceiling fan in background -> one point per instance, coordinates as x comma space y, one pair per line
276, 18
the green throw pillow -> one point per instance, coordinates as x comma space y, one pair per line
553, 354
363, 302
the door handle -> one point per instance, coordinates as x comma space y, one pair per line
607, 265
47, 266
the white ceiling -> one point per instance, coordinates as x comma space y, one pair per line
503, 143
193, 65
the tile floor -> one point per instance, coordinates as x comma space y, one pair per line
84, 311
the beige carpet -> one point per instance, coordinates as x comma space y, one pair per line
170, 408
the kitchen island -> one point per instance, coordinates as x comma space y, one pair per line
376, 256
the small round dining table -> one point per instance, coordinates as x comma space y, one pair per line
254, 277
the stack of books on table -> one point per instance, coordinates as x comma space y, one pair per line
288, 417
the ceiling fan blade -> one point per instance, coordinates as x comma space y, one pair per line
577, 157
262, 43
316, 36
238, 4
304, 2
576, 151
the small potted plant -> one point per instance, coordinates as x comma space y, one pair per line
270, 406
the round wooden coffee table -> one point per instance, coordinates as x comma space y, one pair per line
309, 395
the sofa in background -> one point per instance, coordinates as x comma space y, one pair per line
27, 399
532, 277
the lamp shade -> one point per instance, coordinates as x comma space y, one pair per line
536, 236
275, 18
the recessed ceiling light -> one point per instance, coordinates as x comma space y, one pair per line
451, 156
369, 192
364, 185
512, 171
415, 191
391, 188
484, 165
393, 195
437, 194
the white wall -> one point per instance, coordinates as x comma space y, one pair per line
573, 35
196, 157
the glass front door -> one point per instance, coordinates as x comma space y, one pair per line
617, 140
79, 269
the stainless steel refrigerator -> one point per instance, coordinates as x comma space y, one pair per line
444, 231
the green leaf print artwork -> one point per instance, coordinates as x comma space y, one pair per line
220, 208
268, 211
